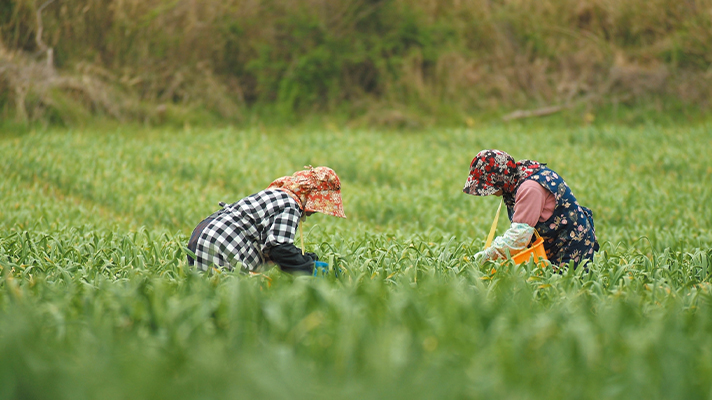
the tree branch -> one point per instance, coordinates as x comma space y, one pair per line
540, 112
519, 114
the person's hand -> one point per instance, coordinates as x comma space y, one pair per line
321, 268
480, 257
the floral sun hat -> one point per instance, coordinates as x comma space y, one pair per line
494, 170
315, 189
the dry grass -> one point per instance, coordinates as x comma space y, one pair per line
38, 92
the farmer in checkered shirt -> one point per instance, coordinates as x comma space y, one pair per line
260, 228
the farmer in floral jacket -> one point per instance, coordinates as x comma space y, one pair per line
536, 198
260, 228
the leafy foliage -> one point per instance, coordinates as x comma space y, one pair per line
97, 300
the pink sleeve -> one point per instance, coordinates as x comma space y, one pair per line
529, 203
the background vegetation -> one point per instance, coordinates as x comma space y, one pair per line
373, 62
96, 299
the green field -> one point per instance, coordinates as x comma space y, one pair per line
97, 301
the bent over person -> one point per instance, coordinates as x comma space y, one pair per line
537, 198
260, 228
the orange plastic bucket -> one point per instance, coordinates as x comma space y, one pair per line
536, 250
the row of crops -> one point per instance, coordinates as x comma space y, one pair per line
97, 301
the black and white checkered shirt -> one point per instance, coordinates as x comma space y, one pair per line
241, 232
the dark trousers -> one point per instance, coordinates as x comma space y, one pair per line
193, 242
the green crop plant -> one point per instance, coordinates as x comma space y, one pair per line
97, 299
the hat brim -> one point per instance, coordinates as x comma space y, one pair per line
327, 202
480, 188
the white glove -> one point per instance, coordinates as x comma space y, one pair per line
484, 255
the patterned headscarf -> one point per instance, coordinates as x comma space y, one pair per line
315, 189
492, 170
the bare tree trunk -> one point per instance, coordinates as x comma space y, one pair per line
38, 38
20, 109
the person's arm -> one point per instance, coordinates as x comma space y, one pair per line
279, 245
514, 240
528, 206
529, 203
290, 258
